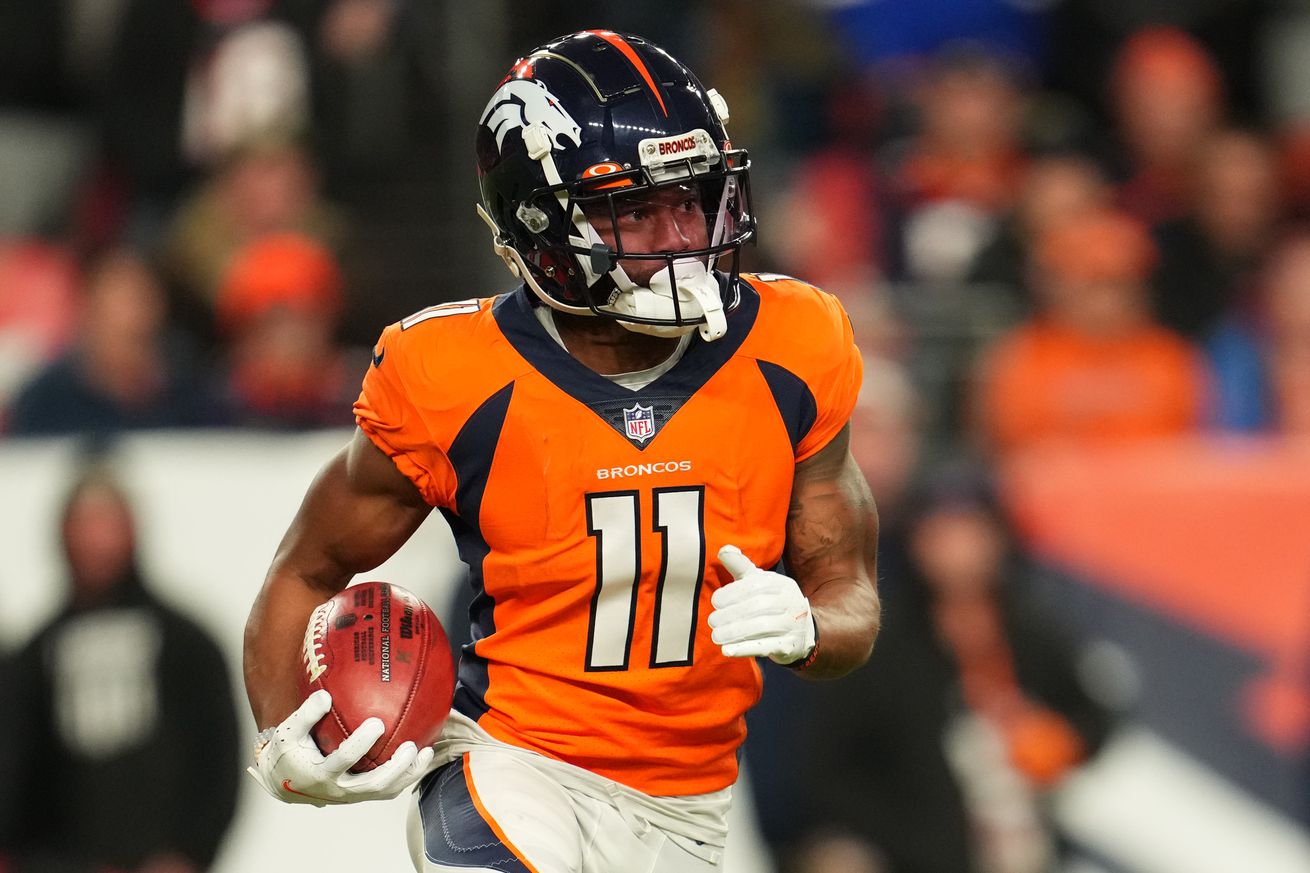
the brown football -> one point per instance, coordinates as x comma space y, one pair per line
380, 651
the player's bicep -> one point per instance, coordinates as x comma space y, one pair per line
832, 523
357, 513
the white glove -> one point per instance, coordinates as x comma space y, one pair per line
290, 766
760, 613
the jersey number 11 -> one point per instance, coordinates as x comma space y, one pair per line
614, 519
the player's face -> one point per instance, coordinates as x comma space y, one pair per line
668, 219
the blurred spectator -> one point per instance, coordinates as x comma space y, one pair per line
1261, 355
387, 79
364, 88
1091, 367
773, 61
46, 136
885, 442
1168, 98
125, 368
368, 87
885, 431
968, 144
962, 167
941, 752
185, 83
253, 83
1085, 37
278, 306
829, 221
1208, 256
1281, 58
1053, 188
1293, 146
123, 743
1286, 38
266, 186
38, 309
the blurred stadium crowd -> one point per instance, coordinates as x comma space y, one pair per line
1049, 219
210, 207
1053, 222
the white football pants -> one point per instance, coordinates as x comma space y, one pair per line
494, 812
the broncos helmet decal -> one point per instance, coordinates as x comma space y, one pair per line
519, 103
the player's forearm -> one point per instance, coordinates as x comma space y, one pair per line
847, 616
275, 633
357, 513
832, 535
837, 574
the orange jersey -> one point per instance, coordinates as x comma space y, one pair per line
590, 514
1045, 382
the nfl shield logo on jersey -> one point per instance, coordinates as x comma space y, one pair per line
639, 422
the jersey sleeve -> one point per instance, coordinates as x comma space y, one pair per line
389, 415
837, 373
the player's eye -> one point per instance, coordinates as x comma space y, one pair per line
635, 213
632, 212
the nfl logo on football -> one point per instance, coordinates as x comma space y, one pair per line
639, 422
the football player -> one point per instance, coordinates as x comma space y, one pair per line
643, 454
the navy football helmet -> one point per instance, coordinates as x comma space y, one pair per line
588, 125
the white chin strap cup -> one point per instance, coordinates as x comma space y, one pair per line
698, 295
697, 290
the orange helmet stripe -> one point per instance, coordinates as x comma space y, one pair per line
628, 52
522, 70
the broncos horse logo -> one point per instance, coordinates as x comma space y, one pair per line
521, 102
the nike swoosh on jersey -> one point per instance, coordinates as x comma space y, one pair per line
378, 356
